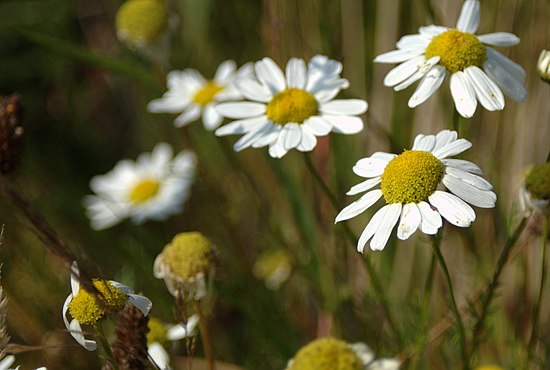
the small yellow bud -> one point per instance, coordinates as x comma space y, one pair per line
140, 22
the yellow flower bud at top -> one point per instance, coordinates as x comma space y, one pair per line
141, 22
326, 354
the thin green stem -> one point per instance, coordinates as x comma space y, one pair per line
536, 314
491, 289
462, 332
105, 345
375, 280
206, 344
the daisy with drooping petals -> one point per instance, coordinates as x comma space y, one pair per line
287, 112
409, 184
152, 188
191, 95
85, 310
478, 72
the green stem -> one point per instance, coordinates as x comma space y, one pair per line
462, 332
491, 289
375, 280
105, 345
536, 314
206, 344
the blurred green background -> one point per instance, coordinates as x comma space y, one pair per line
85, 94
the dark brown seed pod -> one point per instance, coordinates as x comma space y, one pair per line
11, 132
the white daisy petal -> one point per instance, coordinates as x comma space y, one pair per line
429, 84
181, 331
345, 124
487, 92
210, 118
431, 219
269, 135
241, 126
359, 206
462, 165
159, 355
189, 115
344, 107
432, 30
424, 142
141, 303
474, 180
250, 137
398, 56
270, 75
513, 68
444, 138
76, 332
374, 165
404, 70
469, 193
296, 73
389, 219
225, 70
413, 42
277, 151
75, 282
511, 86
168, 104
421, 72
452, 208
308, 141
364, 186
464, 94
253, 90
453, 148
240, 109
469, 17
290, 135
499, 39
317, 125
409, 222
371, 228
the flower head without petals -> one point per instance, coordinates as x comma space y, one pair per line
290, 110
409, 184
87, 308
478, 72
535, 190
192, 96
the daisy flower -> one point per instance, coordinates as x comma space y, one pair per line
287, 112
330, 353
193, 96
409, 184
160, 333
478, 72
85, 310
152, 188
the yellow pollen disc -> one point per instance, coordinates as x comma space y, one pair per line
142, 20
157, 331
538, 182
457, 50
489, 367
292, 105
144, 190
207, 93
327, 354
411, 177
188, 254
85, 309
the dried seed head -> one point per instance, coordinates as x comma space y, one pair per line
11, 132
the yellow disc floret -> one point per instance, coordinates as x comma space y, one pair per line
141, 21
187, 255
457, 50
144, 190
537, 183
207, 93
411, 177
489, 367
85, 308
327, 354
157, 331
292, 105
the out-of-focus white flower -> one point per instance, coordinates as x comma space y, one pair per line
478, 72
151, 188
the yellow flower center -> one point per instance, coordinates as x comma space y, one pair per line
85, 309
411, 177
327, 354
144, 190
457, 50
157, 331
489, 367
207, 93
188, 254
292, 105
537, 183
141, 20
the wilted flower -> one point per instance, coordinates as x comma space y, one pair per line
186, 264
543, 65
152, 188
478, 72
86, 308
409, 184
289, 112
334, 354
535, 190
